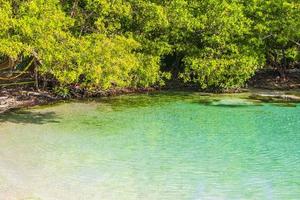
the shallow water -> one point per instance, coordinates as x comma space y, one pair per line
157, 146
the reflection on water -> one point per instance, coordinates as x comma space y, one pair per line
29, 117
158, 146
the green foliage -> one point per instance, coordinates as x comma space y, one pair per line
103, 44
217, 51
62, 91
276, 23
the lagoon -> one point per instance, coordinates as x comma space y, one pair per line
167, 145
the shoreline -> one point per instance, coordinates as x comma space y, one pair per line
267, 82
14, 99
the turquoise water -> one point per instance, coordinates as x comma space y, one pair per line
157, 146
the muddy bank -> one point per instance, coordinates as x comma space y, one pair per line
266, 85
22, 97
15, 98
271, 80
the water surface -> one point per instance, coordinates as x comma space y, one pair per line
156, 146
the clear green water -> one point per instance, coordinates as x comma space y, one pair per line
160, 146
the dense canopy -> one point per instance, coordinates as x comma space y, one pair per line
103, 44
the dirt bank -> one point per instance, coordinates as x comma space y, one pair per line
22, 97
26, 96
14, 98
271, 80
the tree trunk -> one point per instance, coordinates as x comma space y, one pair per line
176, 66
74, 8
36, 82
283, 66
11, 63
